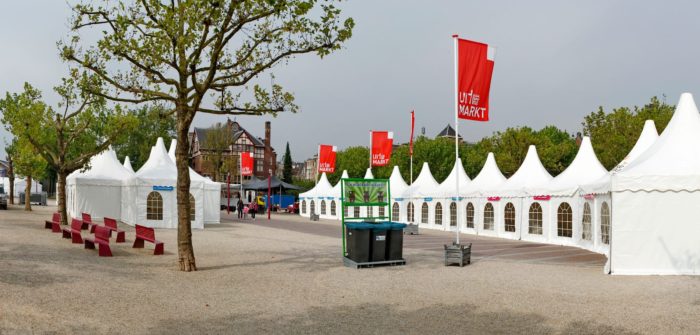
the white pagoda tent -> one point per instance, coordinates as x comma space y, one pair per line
399, 191
655, 225
482, 198
127, 164
98, 189
210, 189
446, 194
516, 203
153, 196
422, 195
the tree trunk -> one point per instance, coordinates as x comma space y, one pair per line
28, 194
61, 196
185, 249
11, 175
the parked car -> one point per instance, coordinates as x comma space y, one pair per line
3, 198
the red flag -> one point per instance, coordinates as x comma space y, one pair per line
474, 69
326, 158
382, 143
246, 163
410, 143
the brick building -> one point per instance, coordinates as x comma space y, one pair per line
241, 140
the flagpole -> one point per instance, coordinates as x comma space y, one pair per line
240, 171
410, 185
370, 150
456, 55
318, 161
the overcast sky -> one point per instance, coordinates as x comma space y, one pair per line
556, 61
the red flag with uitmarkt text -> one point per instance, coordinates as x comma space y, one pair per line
382, 143
326, 158
246, 164
474, 70
410, 143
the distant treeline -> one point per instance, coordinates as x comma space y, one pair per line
613, 134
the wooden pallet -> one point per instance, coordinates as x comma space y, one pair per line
352, 264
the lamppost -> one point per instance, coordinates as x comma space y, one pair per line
269, 201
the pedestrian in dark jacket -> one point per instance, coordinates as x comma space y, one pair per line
240, 206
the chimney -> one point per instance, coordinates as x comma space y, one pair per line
267, 160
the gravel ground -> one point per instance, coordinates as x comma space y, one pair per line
258, 279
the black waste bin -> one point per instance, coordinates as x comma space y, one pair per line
394, 247
378, 238
357, 241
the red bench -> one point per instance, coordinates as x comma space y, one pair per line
55, 223
147, 234
102, 239
111, 224
87, 222
73, 232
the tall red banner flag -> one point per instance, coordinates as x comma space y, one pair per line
246, 164
474, 70
382, 143
410, 143
326, 158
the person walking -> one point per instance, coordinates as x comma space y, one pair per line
253, 209
239, 206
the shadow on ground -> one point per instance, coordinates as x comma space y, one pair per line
386, 319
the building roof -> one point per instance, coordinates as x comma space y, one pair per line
236, 132
448, 132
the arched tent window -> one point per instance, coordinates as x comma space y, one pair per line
154, 206
411, 216
535, 219
333, 207
488, 216
303, 207
323, 207
564, 220
470, 215
509, 217
313, 207
453, 214
438, 213
424, 213
605, 223
586, 222
192, 206
382, 210
395, 211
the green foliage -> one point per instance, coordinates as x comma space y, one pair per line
287, 173
614, 134
66, 138
152, 123
26, 161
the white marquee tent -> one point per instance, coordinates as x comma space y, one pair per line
211, 190
655, 226
98, 190
127, 164
481, 194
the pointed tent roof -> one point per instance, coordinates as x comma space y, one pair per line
159, 167
645, 140
398, 186
368, 174
530, 174
336, 189
672, 163
105, 169
583, 170
425, 185
488, 179
323, 188
127, 164
447, 188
